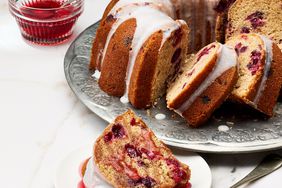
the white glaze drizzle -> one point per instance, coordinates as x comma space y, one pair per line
151, 16
124, 9
223, 128
93, 178
227, 59
96, 74
163, 5
160, 116
268, 61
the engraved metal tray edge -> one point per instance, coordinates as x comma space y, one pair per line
80, 49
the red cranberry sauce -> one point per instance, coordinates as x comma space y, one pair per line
81, 185
60, 21
255, 63
205, 51
256, 19
43, 14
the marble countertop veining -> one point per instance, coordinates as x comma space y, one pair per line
41, 120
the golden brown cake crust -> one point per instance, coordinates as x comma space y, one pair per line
269, 95
257, 16
273, 84
147, 79
211, 98
252, 90
84, 166
101, 36
141, 85
128, 154
220, 26
188, 90
145, 68
113, 71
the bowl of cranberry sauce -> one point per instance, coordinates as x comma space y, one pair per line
46, 22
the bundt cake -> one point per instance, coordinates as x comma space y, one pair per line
201, 19
138, 47
255, 16
128, 154
260, 71
205, 81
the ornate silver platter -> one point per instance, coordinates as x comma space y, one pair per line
232, 129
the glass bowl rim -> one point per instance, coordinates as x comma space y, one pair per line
16, 11
77, 3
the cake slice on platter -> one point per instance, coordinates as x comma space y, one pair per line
139, 45
260, 71
250, 16
204, 83
128, 154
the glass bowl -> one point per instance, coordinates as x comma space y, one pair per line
46, 22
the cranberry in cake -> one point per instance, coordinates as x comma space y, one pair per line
204, 82
139, 45
128, 154
255, 16
260, 71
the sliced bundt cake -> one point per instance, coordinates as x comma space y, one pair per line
260, 71
205, 81
128, 154
254, 16
138, 47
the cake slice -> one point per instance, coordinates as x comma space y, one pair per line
260, 71
205, 81
254, 16
128, 154
139, 46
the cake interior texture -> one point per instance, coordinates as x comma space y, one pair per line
128, 154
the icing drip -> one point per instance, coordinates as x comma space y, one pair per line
163, 5
160, 116
268, 61
227, 59
92, 177
96, 74
151, 16
123, 10
223, 128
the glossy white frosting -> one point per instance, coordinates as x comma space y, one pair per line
163, 5
268, 61
93, 178
160, 116
151, 16
96, 74
227, 59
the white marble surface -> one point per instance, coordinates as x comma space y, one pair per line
41, 121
